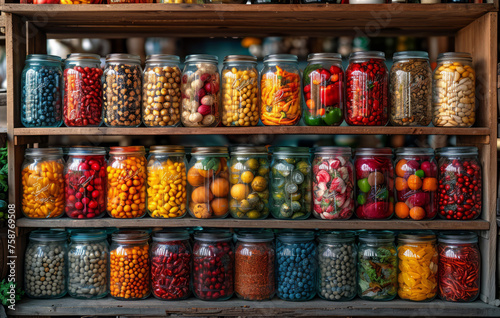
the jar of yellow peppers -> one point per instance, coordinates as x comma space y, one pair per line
126, 182
418, 266
43, 183
167, 197
280, 90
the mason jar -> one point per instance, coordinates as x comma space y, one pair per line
41, 95
249, 178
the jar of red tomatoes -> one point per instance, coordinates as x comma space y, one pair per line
416, 183
324, 90
367, 89
85, 182
213, 265
375, 183
460, 183
82, 90
459, 266
333, 183
171, 264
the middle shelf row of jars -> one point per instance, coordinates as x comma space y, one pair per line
366, 94
248, 185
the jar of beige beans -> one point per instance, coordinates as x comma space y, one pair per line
454, 95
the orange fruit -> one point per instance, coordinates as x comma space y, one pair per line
220, 187
240, 191
194, 178
206, 173
414, 182
401, 184
402, 210
219, 207
430, 184
202, 195
400, 168
417, 213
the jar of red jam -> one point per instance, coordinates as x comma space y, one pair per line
416, 183
367, 89
85, 182
460, 183
82, 90
374, 183
171, 264
213, 265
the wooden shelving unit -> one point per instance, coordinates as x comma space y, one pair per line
473, 26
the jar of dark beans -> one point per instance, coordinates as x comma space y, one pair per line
122, 89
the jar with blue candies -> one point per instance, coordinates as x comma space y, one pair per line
41, 97
296, 265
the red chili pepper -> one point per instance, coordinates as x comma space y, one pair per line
330, 94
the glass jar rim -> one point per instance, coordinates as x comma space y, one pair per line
212, 236
248, 150
402, 55
451, 151
417, 237
240, 58
171, 149
208, 150
337, 237
458, 237
376, 236
373, 151
454, 55
297, 151
127, 150
330, 150
43, 58
123, 57
294, 236
49, 235
336, 57
52, 151
82, 150
83, 56
80, 235
367, 55
130, 236
170, 235
158, 58
286, 58
207, 58
414, 151
255, 236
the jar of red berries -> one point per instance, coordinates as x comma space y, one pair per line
367, 89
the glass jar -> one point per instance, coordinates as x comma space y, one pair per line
337, 259
127, 182
85, 181
271, 1
377, 266
213, 265
459, 266
208, 183
45, 264
460, 183
375, 183
280, 90
43, 183
418, 266
333, 183
249, 178
291, 183
122, 90
254, 266
416, 183
296, 264
88, 264
171, 264
454, 91
240, 91
82, 1
82, 90
129, 265
166, 174
161, 91
129, 1
323, 88
367, 80
200, 91
410, 88
41, 96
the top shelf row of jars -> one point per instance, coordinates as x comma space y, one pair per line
366, 94
240, 1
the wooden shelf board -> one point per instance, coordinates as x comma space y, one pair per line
236, 307
312, 223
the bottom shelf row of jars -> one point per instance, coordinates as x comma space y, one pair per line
335, 265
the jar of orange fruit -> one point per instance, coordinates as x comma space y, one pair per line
126, 182
416, 184
208, 183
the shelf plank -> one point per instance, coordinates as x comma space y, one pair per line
236, 307
311, 223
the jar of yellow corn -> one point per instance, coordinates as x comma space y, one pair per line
43, 183
167, 197
418, 266
126, 182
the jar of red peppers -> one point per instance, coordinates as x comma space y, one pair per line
375, 183
85, 182
82, 90
280, 90
459, 266
324, 90
171, 264
367, 91
416, 184
254, 266
213, 265
460, 183
333, 183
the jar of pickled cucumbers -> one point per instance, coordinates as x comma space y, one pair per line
249, 178
240, 91
166, 171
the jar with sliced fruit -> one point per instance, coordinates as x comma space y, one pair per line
208, 183
249, 178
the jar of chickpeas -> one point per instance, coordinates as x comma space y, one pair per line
240, 91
